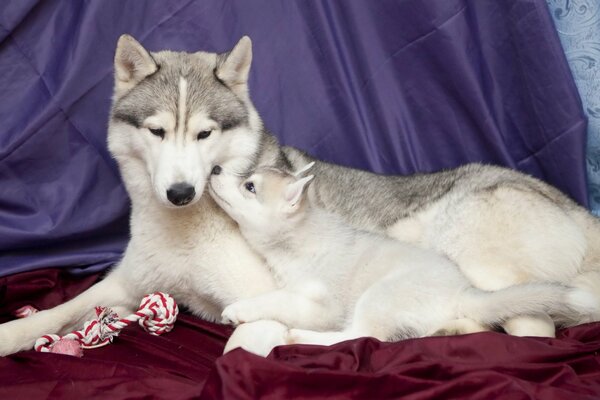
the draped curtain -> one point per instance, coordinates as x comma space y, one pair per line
578, 26
391, 86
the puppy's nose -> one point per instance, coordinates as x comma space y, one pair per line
181, 194
216, 170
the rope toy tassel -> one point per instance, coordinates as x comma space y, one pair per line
157, 315
25, 311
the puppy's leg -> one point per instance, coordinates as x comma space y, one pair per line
361, 327
21, 334
304, 336
371, 318
289, 308
459, 326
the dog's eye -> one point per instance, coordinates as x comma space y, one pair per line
250, 187
204, 134
160, 132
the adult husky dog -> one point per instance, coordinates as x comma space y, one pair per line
177, 115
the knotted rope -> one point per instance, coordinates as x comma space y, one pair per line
157, 314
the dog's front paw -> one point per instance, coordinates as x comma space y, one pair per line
239, 313
12, 340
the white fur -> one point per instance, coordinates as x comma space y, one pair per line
502, 239
194, 252
197, 254
353, 283
258, 337
182, 107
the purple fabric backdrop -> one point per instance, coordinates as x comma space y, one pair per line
389, 86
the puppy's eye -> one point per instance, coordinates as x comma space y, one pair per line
250, 187
160, 132
204, 134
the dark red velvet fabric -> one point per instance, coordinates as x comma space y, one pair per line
185, 363
137, 365
479, 366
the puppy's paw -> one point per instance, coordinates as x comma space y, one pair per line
294, 336
460, 326
229, 317
238, 313
258, 337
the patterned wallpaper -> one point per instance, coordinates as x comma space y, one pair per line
578, 26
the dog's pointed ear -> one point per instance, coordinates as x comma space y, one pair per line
132, 63
294, 192
233, 67
304, 169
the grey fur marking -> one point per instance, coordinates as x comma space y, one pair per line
159, 92
441, 210
366, 200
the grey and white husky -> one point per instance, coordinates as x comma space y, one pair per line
337, 283
175, 116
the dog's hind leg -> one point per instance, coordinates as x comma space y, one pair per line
540, 325
21, 334
505, 236
589, 282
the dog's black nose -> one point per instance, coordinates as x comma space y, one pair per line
216, 170
181, 194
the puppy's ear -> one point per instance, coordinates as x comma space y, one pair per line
304, 169
233, 67
132, 63
294, 193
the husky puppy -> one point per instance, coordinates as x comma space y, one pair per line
353, 283
177, 115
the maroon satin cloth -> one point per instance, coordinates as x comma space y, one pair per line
137, 365
185, 363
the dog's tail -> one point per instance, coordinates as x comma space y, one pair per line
559, 301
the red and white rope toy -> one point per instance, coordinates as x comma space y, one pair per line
157, 315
